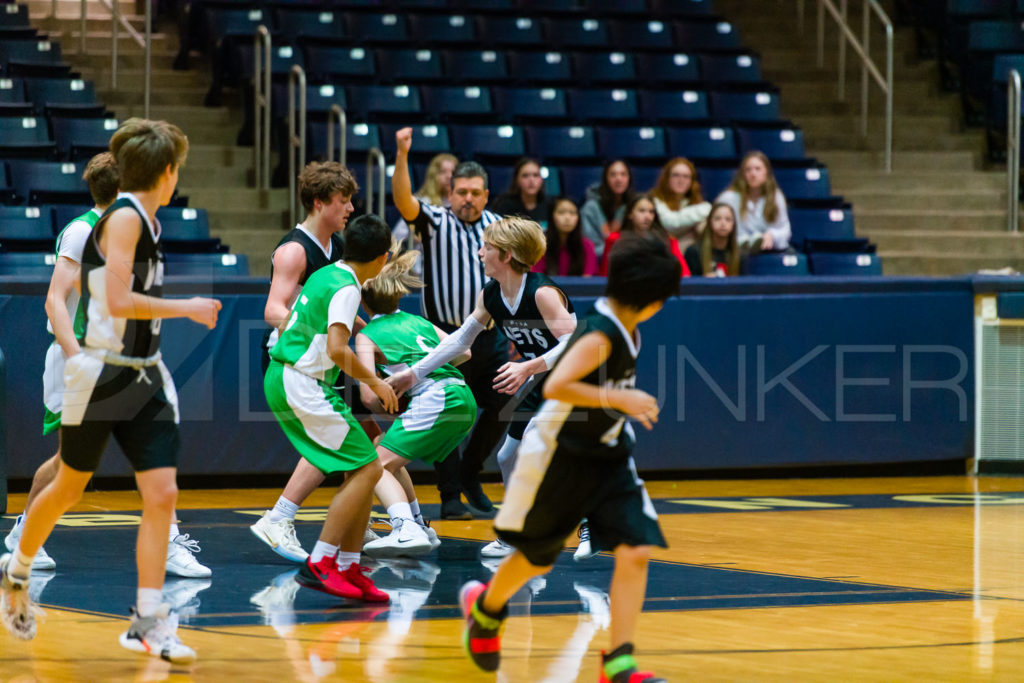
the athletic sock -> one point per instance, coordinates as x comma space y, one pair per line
283, 509
20, 566
147, 600
416, 514
400, 511
322, 550
346, 560
618, 660
507, 458
173, 532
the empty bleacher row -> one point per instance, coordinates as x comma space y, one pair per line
51, 124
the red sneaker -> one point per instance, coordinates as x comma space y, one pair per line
355, 575
325, 577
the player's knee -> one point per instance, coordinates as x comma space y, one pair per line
635, 556
65, 496
162, 495
372, 471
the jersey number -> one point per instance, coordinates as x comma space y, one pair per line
611, 436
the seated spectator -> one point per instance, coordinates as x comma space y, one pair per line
525, 196
677, 198
760, 207
569, 252
605, 207
435, 189
716, 254
641, 217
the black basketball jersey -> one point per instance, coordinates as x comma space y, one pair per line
315, 256
522, 322
126, 336
600, 432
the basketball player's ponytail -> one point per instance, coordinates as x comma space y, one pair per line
382, 293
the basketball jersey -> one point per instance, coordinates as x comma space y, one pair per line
330, 295
521, 321
600, 432
126, 336
404, 339
70, 244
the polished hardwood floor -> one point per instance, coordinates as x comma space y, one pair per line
861, 579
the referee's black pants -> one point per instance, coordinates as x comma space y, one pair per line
490, 352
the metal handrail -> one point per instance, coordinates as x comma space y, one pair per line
261, 54
143, 40
378, 156
1013, 151
861, 48
296, 136
338, 111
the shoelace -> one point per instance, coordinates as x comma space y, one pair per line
166, 630
189, 544
584, 533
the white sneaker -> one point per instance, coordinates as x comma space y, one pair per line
157, 635
280, 536
180, 561
584, 551
496, 548
276, 602
435, 542
182, 596
369, 536
42, 561
595, 603
17, 610
407, 539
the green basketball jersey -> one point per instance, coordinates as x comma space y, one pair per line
404, 339
330, 295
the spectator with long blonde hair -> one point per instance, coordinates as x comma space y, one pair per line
760, 207
437, 185
678, 200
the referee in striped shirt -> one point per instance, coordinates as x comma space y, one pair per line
454, 275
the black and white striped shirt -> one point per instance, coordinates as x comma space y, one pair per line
452, 272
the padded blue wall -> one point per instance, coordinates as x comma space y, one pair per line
751, 373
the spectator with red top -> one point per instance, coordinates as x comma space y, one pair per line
569, 252
641, 217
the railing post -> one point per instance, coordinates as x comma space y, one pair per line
3, 433
147, 77
890, 84
866, 42
375, 155
842, 53
336, 110
115, 14
296, 135
81, 37
261, 55
821, 34
800, 19
1013, 95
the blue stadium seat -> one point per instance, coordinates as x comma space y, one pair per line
713, 181
668, 68
675, 105
707, 36
81, 139
616, 104
488, 4
14, 14
427, 140
645, 177
540, 66
473, 142
647, 34
36, 56
389, 27
38, 263
823, 263
224, 22
745, 106
12, 90
604, 67
182, 223
576, 180
359, 138
780, 144
552, 180
207, 265
618, 6
635, 143
531, 103
297, 23
282, 58
65, 213
367, 101
681, 8
319, 98
64, 96
711, 144
403, 65
448, 29
327, 63
995, 36
475, 66
574, 143
23, 130
577, 32
742, 68
20, 225
49, 182
803, 185
777, 264
448, 102
823, 225
505, 30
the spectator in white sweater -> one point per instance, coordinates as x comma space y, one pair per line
681, 208
759, 205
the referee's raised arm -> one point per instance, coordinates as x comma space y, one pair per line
401, 184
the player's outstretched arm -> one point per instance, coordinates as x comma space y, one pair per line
346, 359
120, 237
560, 322
459, 359
367, 352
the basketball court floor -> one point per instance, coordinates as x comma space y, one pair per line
857, 579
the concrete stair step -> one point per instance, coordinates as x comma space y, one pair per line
912, 160
196, 175
943, 103
942, 265
848, 180
130, 62
202, 125
100, 41
235, 198
70, 9
209, 155
812, 91
800, 59
869, 220
925, 199
257, 245
969, 244
904, 125
909, 141
162, 79
131, 95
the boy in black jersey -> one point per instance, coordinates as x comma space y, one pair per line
575, 461
118, 385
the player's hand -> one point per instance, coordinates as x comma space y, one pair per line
767, 242
403, 137
510, 377
388, 399
639, 405
204, 311
401, 382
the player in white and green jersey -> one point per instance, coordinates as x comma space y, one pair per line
439, 416
304, 363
